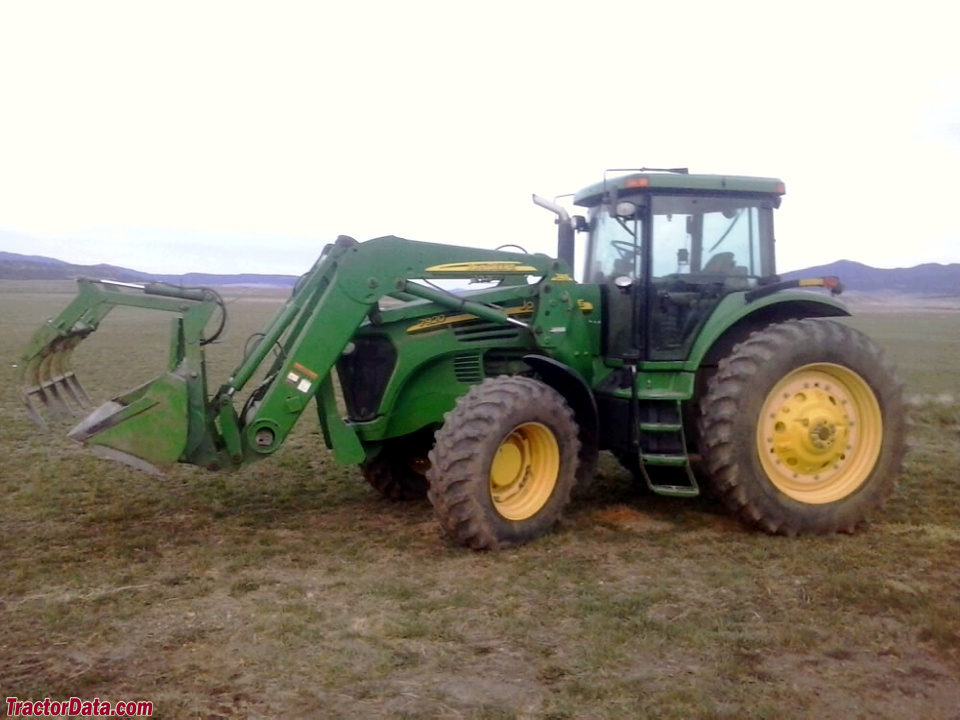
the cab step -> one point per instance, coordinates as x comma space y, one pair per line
663, 448
664, 460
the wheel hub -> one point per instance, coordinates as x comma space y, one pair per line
810, 427
810, 438
524, 471
509, 465
823, 434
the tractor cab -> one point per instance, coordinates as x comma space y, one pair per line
666, 247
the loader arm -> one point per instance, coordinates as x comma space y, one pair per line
345, 286
174, 419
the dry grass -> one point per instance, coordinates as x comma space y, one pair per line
290, 590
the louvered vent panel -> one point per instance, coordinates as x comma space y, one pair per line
468, 369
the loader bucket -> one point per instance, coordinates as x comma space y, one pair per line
146, 427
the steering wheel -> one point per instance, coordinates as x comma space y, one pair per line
627, 250
512, 245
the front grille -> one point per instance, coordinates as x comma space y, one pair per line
364, 375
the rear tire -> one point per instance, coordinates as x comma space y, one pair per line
504, 463
803, 428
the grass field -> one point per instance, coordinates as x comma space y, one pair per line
290, 589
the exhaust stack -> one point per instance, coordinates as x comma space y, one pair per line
565, 231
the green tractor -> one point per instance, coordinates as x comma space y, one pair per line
680, 351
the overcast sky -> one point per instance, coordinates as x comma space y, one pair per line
227, 137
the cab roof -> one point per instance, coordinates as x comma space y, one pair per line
682, 181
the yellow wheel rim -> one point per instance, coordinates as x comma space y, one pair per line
524, 471
820, 433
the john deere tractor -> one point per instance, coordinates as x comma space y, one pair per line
679, 350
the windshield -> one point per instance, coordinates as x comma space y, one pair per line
691, 235
711, 236
614, 247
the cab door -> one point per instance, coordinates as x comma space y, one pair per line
616, 262
702, 249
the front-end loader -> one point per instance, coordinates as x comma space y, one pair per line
680, 351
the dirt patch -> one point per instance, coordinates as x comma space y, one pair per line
623, 517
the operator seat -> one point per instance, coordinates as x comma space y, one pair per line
720, 264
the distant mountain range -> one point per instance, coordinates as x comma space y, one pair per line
34, 267
927, 279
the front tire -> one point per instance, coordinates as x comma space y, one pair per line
803, 428
504, 463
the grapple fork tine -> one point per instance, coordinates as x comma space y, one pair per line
48, 387
82, 397
33, 412
33, 388
62, 374
49, 381
70, 377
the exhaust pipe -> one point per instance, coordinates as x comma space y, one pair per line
565, 232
